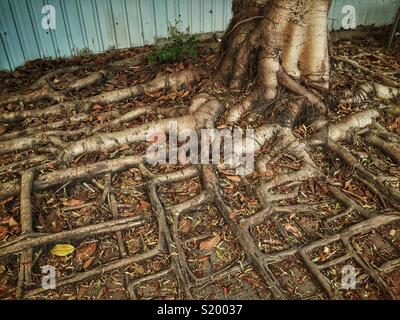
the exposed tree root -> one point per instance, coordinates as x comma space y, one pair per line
91, 79
389, 82
74, 120
45, 79
61, 177
391, 149
113, 205
288, 43
377, 184
25, 263
173, 82
284, 44
342, 130
204, 112
43, 89
44, 93
32, 240
367, 90
123, 263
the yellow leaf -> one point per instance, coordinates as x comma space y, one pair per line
62, 250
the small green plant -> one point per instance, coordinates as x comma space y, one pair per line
182, 46
83, 52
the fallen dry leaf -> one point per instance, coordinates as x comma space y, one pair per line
144, 205
101, 117
292, 229
62, 250
124, 147
5, 219
5, 201
234, 178
51, 222
2, 129
88, 263
3, 232
73, 202
97, 107
210, 244
12, 223
85, 252
185, 225
233, 215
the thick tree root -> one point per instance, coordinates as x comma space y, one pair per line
173, 82
281, 207
288, 43
203, 113
42, 88
25, 263
57, 178
44, 93
91, 79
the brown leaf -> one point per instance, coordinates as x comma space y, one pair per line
395, 124
347, 185
4, 220
185, 94
210, 244
124, 147
2, 129
234, 178
88, 263
85, 252
294, 230
101, 117
185, 225
233, 215
51, 222
73, 202
97, 107
3, 232
12, 223
5, 201
144, 205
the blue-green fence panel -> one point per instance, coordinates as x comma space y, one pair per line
100, 25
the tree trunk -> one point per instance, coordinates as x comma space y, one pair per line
286, 41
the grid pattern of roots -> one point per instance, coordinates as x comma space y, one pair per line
319, 201
177, 235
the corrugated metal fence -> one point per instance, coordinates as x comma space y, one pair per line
99, 25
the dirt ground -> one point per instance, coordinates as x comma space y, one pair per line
199, 254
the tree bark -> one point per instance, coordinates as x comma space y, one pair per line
285, 41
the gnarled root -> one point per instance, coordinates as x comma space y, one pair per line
288, 41
173, 81
203, 114
45, 92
